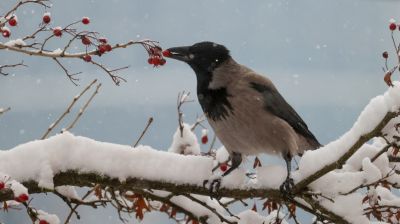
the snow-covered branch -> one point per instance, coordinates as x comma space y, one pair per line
338, 174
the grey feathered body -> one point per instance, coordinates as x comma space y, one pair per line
251, 124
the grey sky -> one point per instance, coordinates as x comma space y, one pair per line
324, 56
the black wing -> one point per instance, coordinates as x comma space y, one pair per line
277, 105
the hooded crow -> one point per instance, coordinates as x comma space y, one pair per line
244, 108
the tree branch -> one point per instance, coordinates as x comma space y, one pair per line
76, 178
76, 98
339, 163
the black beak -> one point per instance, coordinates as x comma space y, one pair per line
179, 53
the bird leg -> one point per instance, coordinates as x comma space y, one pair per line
287, 186
215, 184
236, 159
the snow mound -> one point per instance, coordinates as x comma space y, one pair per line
185, 143
40, 160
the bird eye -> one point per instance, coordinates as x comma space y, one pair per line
191, 56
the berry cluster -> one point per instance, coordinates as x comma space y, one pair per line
12, 21
20, 198
155, 56
102, 46
94, 45
385, 55
87, 38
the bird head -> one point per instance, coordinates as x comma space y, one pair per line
203, 57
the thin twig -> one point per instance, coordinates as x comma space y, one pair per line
115, 78
198, 122
144, 131
212, 143
383, 150
82, 110
73, 210
19, 4
10, 66
213, 210
70, 76
68, 110
182, 99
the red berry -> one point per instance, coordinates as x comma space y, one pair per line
101, 49
86, 40
156, 61
6, 33
85, 20
103, 40
22, 198
46, 18
385, 55
166, 53
150, 61
223, 167
87, 58
204, 139
43, 222
392, 26
108, 47
162, 61
12, 22
2, 185
57, 31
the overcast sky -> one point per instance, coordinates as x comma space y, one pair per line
323, 55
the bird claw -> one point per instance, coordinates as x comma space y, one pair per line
287, 186
213, 186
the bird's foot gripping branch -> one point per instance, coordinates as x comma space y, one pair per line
349, 180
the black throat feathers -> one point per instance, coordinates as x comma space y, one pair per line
214, 102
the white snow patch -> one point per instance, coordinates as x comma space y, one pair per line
252, 217
17, 188
57, 51
222, 155
236, 179
270, 176
68, 191
13, 43
349, 207
185, 143
42, 159
50, 218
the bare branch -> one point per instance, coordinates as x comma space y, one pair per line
70, 76
183, 98
88, 179
213, 210
51, 54
23, 2
76, 98
144, 131
115, 78
10, 66
82, 110
198, 122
